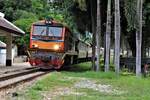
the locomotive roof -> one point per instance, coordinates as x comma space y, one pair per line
2, 44
54, 23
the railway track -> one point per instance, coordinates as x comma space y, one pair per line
11, 79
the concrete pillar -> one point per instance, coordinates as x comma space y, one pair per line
9, 50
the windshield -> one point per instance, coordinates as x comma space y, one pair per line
55, 31
47, 31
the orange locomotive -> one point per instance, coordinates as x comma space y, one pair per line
52, 45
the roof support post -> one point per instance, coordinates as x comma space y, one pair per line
9, 50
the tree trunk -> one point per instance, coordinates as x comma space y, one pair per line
132, 42
139, 37
117, 36
94, 35
108, 32
98, 35
93, 51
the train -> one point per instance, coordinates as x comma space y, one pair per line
53, 45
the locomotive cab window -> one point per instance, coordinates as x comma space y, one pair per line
39, 30
53, 32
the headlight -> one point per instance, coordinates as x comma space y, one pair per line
35, 45
56, 47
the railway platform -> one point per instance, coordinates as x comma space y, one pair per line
14, 67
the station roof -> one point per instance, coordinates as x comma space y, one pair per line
2, 44
7, 26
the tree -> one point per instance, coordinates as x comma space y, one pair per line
130, 12
10, 7
98, 35
138, 37
94, 34
117, 36
107, 40
25, 24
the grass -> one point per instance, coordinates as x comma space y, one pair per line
135, 88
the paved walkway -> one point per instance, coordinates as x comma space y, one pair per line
16, 66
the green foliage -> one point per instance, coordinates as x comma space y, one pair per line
25, 24
82, 4
24, 12
55, 16
67, 15
11, 7
3, 39
147, 8
37, 6
130, 12
59, 83
18, 4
